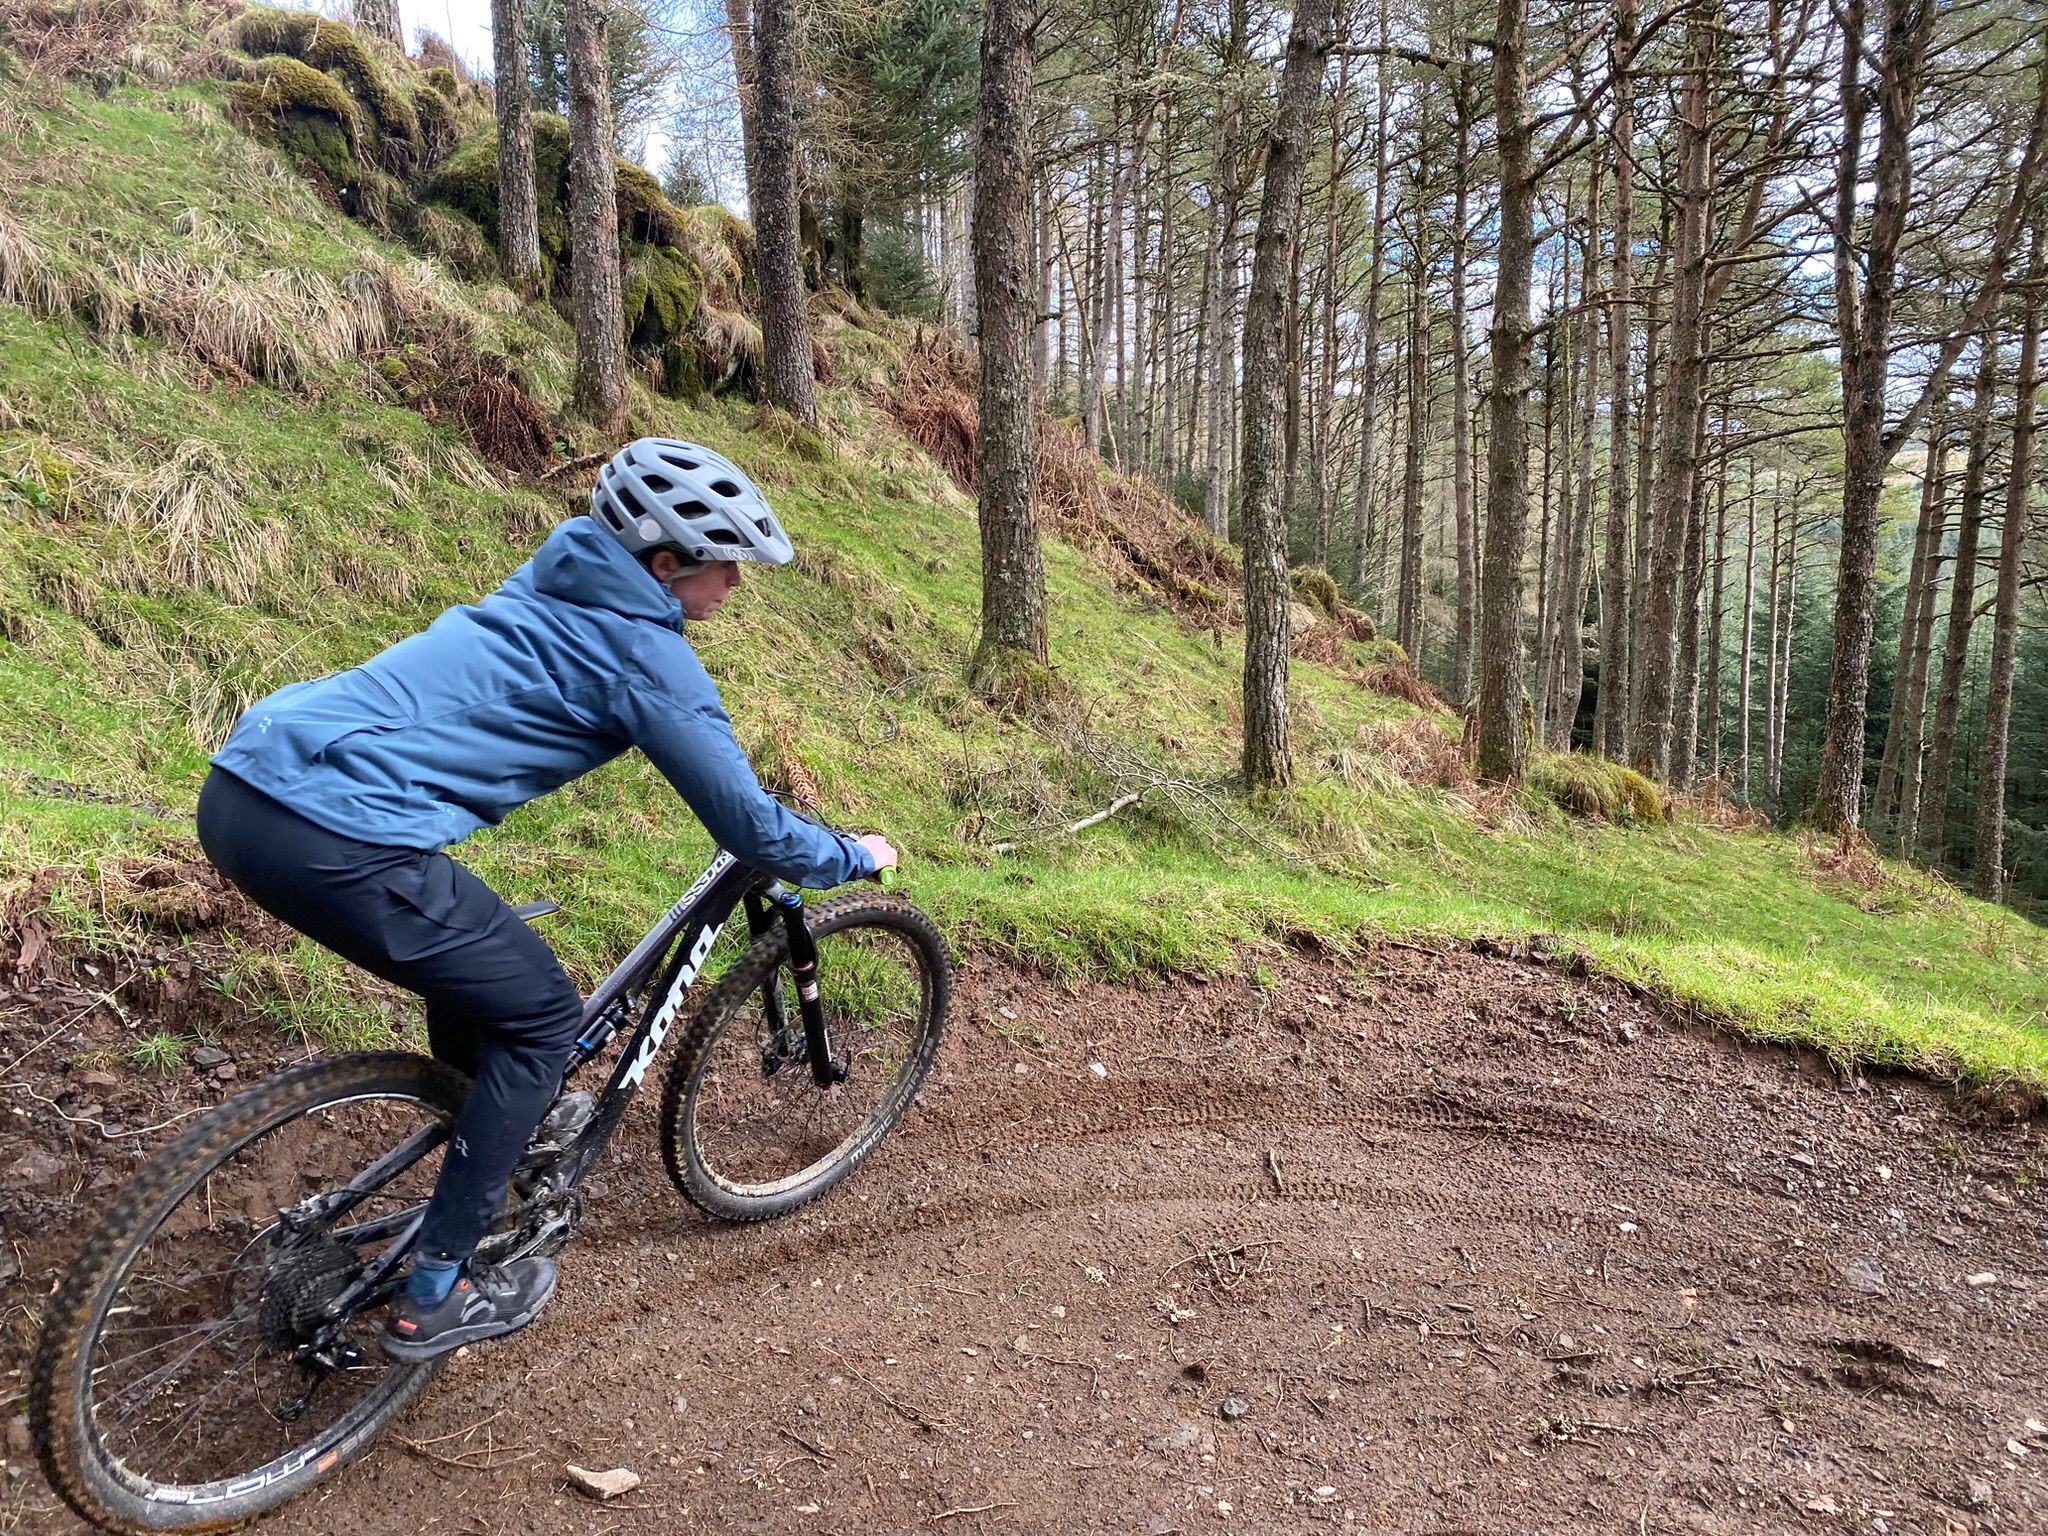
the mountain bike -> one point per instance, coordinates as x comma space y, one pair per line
212, 1352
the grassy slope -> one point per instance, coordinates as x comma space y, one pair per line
124, 649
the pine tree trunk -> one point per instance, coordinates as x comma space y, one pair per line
1326, 392
1209, 358
1408, 594
1645, 464
1611, 708
2005, 613
1571, 617
1913, 709
1169, 319
1685, 705
739, 28
1782, 705
1771, 639
1290, 386
1748, 621
1097, 315
1713, 680
1012, 576
1865, 275
1137, 409
1117, 415
786, 366
1962, 611
1268, 758
1041, 322
379, 19
518, 210
1461, 418
598, 292
1365, 509
1544, 650
1680, 412
1884, 818
1502, 748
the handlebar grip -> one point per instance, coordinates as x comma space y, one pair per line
885, 878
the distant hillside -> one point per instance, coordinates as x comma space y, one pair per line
263, 410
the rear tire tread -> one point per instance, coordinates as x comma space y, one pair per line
75, 1312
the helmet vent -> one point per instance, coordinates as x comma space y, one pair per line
661, 485
725, 488
721, 536
632, 502
687, 466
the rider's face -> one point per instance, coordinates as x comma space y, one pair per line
699, 589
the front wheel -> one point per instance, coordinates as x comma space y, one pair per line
746, 1129
199, 1363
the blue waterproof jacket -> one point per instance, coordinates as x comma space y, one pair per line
578, 656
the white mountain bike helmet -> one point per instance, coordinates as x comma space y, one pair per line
657, 493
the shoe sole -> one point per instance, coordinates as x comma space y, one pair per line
455, 1338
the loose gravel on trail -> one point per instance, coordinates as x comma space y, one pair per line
1442, 1242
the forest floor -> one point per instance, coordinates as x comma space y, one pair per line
1422, 1240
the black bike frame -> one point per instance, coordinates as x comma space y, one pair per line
684, 935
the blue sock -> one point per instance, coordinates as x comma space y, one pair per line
431, 1280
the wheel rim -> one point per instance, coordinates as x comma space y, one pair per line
196, 1390
757, 1133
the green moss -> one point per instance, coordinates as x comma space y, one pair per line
644, 214
336, 49
441, 80
662, 288
1593, 787
265, 29
439, 125
468, 182
1316, 588
306, 115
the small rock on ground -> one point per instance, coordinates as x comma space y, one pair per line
603, 1485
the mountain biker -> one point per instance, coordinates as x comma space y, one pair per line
332, 800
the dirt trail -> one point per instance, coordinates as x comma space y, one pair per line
1449, 1243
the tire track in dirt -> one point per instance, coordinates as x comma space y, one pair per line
1502, 1250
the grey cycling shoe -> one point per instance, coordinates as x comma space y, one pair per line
487, 1301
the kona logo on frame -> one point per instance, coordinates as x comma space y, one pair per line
657, 1032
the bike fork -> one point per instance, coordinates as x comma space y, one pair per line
803, 964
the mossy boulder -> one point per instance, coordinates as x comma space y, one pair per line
644, 213
335, 48
441, 80
662, 289
440, 126
1315, 587
468, 182
265, 29
1590, 786
308, 117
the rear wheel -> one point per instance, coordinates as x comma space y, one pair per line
747, 1130
193, 1371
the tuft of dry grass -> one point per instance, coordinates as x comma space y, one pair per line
190, 507
1400, 682
1417, 751
729, 346
28, 277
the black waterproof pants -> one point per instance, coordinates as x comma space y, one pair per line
499, 1005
